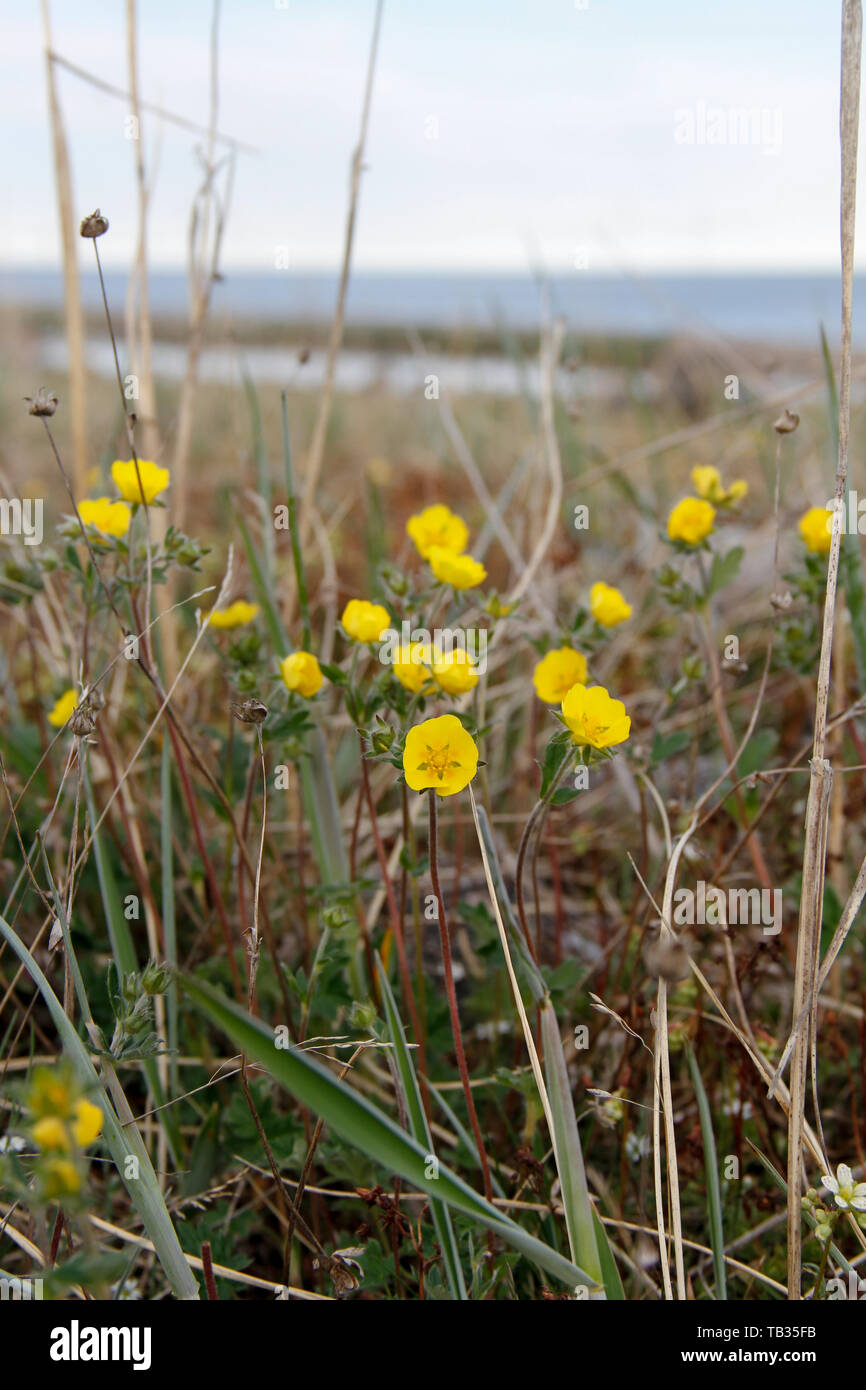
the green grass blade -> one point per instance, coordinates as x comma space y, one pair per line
123, 1143
609, 1271
711, 1166
569, 1156
368, 1129
420, 1130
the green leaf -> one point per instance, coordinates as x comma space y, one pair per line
725, 568
553, 759
666, 746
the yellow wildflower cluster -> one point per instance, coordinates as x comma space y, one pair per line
440, 537
64, 1122
109, 516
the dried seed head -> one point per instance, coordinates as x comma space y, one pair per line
251, 711
782, 601
82, 720
95, 225
787, 422
666, 958
43, 403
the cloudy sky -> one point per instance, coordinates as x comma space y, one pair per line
504, 133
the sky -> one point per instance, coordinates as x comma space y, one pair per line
504, 134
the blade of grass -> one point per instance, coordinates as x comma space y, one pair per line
711, 1167
567, 1151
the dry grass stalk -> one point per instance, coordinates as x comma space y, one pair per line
139, 331
317, 445
207, 225
73, 313
820, 781
171, 117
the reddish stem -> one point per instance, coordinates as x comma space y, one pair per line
207, 1270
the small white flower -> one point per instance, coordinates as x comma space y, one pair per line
847, 1194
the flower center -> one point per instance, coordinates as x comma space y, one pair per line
593, 729
439, 760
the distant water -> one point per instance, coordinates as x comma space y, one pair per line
760, 307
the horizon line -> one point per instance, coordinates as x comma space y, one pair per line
523, 272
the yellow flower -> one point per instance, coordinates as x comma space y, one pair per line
302, 674
154, 479
708, 484
111, 518
816, 528
691, 520
454, 671
60, 1178
88, 1122
235, 615
437, 525
410, 666
608, 605
460, 571
439, 753
557, 672
50, 1092
51, 1133
63, 710
594, 718
365, 621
